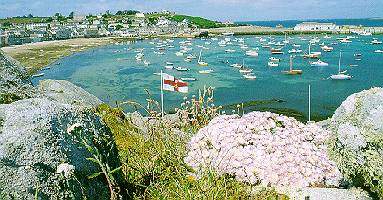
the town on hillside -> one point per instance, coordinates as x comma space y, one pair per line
28, 29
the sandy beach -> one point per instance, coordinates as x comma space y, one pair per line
37, 55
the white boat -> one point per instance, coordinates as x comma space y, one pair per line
319, 63
296, 45
272, 64
236, 65
252, 53
191, 56
228, 33
208, 71
376, 41
327, 37
188, 79
169, 67
312, 55
276, 51
37, 75
245, 70
146, 62
229, 50
249, 76
340, 75
274, 59
169, 63
179, 53
200, 62
286, 41
295, 51
327, 48
378, 51
365, 33
345, 40
187, 60
182, 69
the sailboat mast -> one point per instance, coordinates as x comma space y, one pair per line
340, 57
310, 49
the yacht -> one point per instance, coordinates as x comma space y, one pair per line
200, 62
252, 53
319, 63
292, 71
182, 69
378, 51
340, 75
376, 41
272, 64
274, 59
249, 76
208, 71
327, 48
276, 51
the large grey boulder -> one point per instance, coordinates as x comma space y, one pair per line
357, 142
42, 148
14, 81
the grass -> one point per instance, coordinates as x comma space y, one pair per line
198, 21
152, 156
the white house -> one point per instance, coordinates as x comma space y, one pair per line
35, 26
140, 15
315, 26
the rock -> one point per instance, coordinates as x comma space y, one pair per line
357, 141
265, 148
325, 193
41, 151
14, 81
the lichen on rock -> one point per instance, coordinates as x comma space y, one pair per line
357, 141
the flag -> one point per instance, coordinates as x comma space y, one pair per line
170, 83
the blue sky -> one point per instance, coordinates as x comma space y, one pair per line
224, 10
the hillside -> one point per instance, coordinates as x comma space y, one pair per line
198, 21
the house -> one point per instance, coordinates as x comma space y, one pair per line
91, 33
18, 37
3, 38
37, 26
63, 33
38, 36
315, 26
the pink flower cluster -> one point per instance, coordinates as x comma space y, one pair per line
264, 148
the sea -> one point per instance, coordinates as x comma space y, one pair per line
113, 74
373, 22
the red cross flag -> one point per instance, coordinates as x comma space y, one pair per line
170, 83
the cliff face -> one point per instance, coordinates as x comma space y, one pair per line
48, 139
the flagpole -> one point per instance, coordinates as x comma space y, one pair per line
309, 103
162, 95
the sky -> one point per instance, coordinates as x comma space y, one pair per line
222, 10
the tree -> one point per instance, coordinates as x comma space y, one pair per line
119, 27
71, 14
30, 16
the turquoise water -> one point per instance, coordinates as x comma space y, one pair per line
112, 73
292, 23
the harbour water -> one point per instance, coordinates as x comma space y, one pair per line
113, 74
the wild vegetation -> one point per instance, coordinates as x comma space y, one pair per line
152, 155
